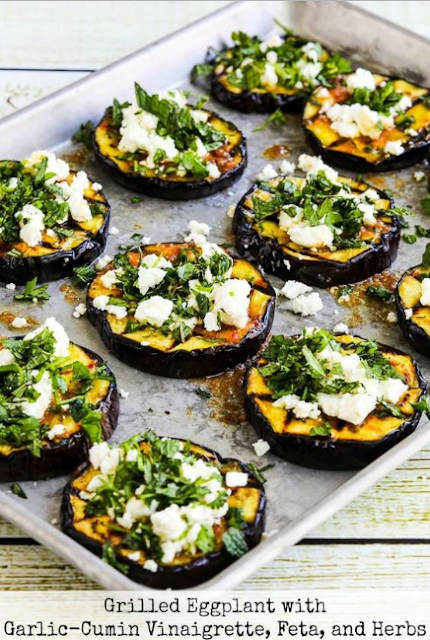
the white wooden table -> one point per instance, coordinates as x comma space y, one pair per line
380, 540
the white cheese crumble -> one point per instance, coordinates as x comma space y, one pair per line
113, 231
31, 221
261, 447
199, 227
56, 430
155, 311
312, 237
352, 120
61, 339
350, 407
287, 167
149, 277
11, 286
314, 164
105, 458
236, 479
37, 408
361, 79
392, 317
231, 302
102, 262
308, 305
292, 289
6, 357
124, 394
419, 176
55, 165
267, 173
80, 310
425, 292
150, 565
408, 314
394, 148
341, 328
300, 408
19, 323
109, 279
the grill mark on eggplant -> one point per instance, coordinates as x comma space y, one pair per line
179, 576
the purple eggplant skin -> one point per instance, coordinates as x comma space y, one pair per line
156, 187
349, 162
183, 576
61, 458
198, 363
268, 253
255, 102
414, 334
323, 453
57, 265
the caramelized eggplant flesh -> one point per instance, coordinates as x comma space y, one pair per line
186, 570
58, 255
349, 446
204, 352
413, 317
267, 243
230, 158
65, 452
411, 129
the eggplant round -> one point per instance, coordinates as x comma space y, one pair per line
412, 316
350, 446
184, 572
68, 451
271, 248
261, 99
56, 258
231, 159
204, 353
362, 154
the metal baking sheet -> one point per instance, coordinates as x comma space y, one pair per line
171, 407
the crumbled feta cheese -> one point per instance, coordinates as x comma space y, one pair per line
287, 167
6, 357
312, 237
38, 407
236, 479
56, 430
231, 302
80, 310
154, 311
124, 394
109, 279
30, 219
425, 292
293, 288
269, 78
411, 132
113, 231
11, 286
213, 169
314, 164
353, 408
308, 305
102, 262
19, 323
211, 321
267, 173
341, 327
370, 194
287, 265
323, 92
96, 186
408, 313
271, 43
79, 207
392, 390
352, 120
105, 458
150, 565
369, 213
360, 79
149, 277
199, 227
392, 317
300, 408
394, 148
154, 260
62, 342
101, 302
55, 165
168, 523
419, 176
261, 447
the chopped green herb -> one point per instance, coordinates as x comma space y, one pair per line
17, 490
234, 542
32, 292
425, 260
277, 118
203, 393
136, 200
379, 293
323, 430
259, 471
83, 275
85, 135
409, 238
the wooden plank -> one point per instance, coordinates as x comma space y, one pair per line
336, 566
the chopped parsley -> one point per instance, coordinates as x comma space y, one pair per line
32, 292
277, 118
379, 293
85, 135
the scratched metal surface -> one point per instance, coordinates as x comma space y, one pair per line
171, 407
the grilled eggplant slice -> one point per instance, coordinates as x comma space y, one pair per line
181, 153
81, 405
414, 316
258, 75
362, 246
189, 341
387, 129
323, 441
61, 232
142, 539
